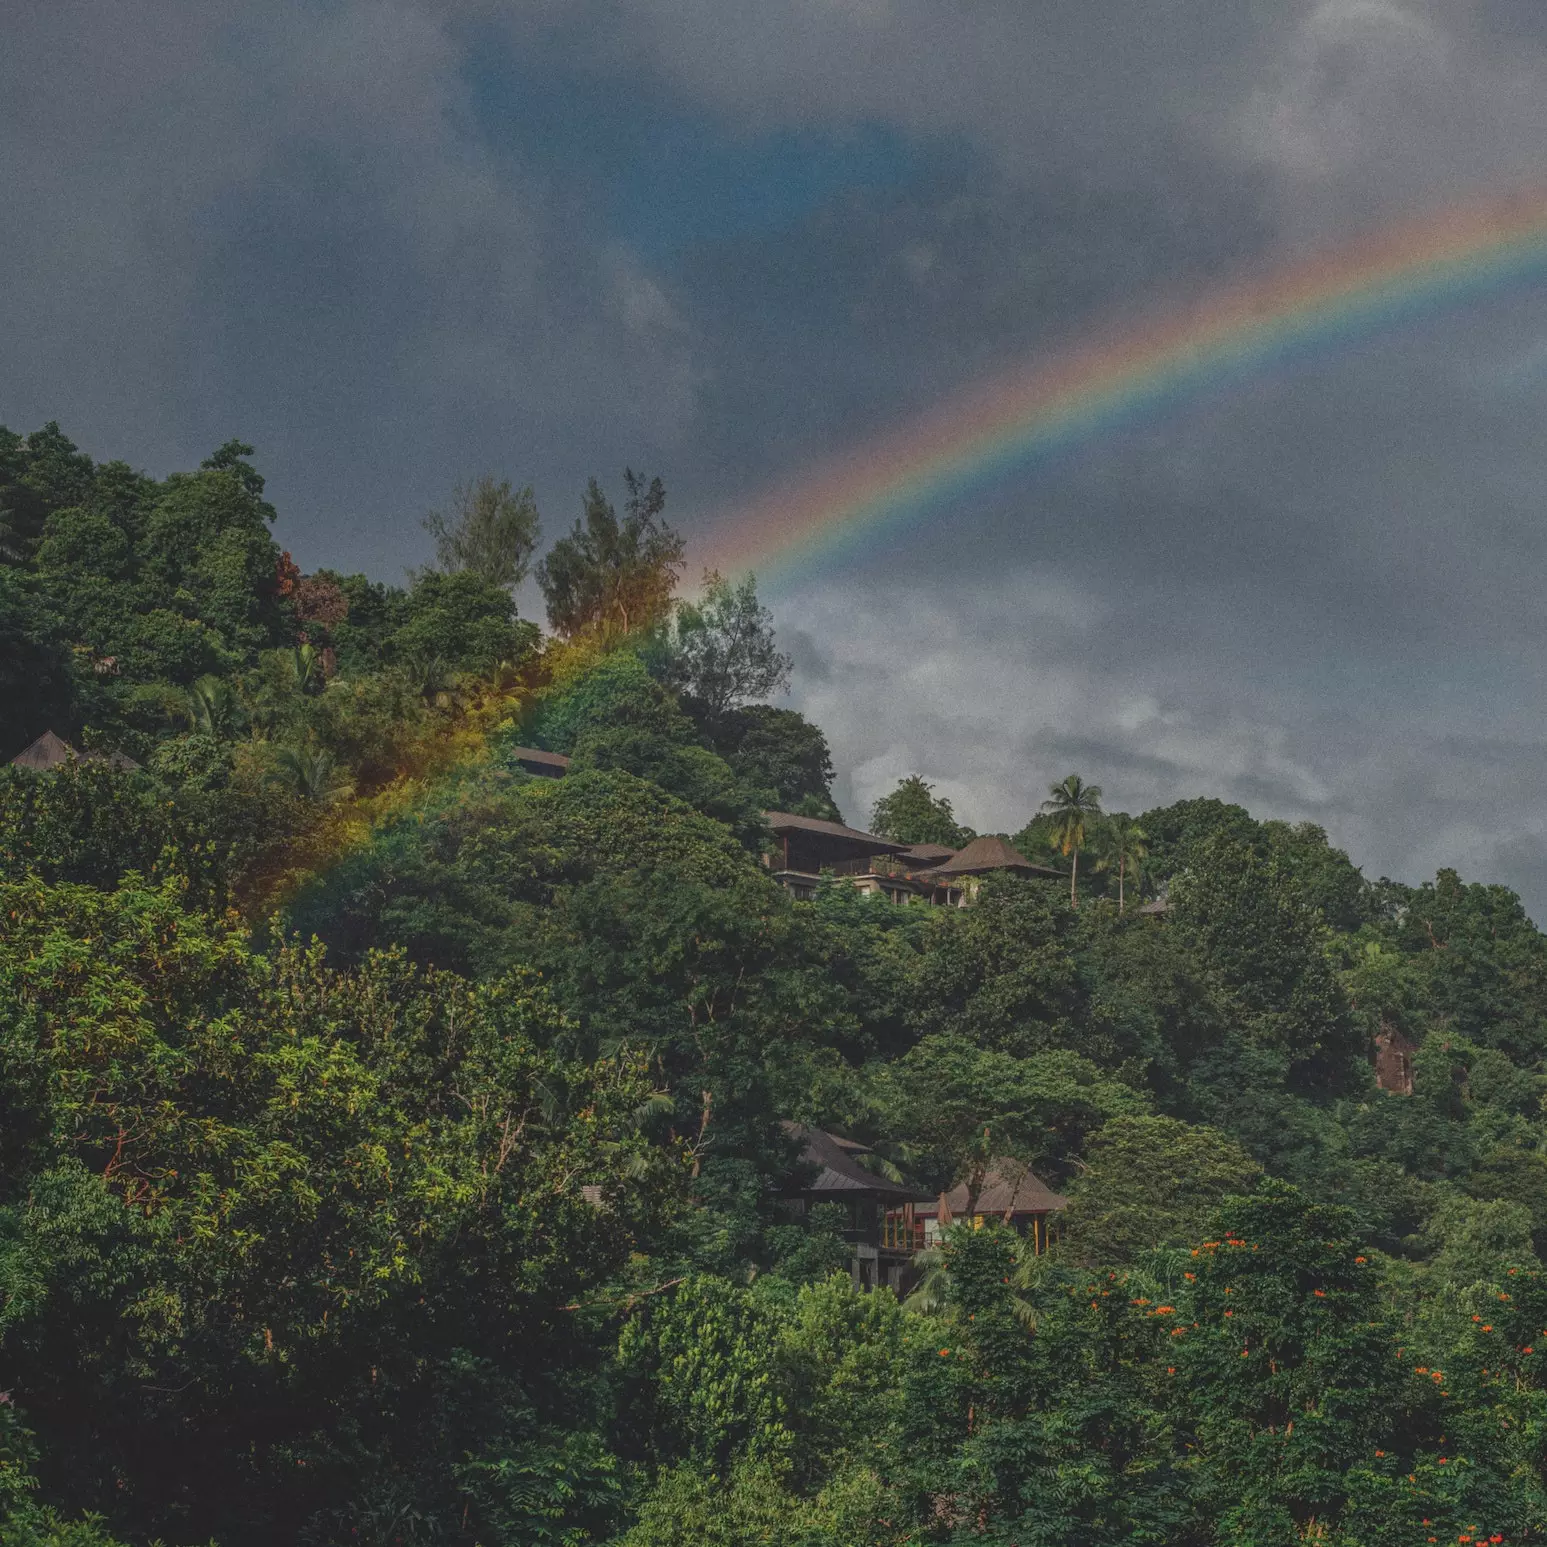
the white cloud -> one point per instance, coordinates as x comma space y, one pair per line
1376, 107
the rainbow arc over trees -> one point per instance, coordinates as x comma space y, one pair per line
1394, 277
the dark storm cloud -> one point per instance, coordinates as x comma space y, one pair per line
237, 219
395, 243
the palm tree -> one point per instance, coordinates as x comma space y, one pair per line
1124, 844
1071, 804
310, 669
212, 706
309, 771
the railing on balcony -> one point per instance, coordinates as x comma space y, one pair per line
851, 867
901, 1232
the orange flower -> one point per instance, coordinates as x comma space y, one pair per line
1230, 1313
945, 1353
1442, 1461
1359, 1259
1170, 1369
1321, 1294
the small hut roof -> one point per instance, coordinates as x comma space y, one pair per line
1009, 1187
788, 822
1160, 905
842, 1175
49, 751
535, 760
990, 853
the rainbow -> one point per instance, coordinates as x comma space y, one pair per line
1397, 276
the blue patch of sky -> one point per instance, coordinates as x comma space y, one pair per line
662, 178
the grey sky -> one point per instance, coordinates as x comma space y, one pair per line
398, 243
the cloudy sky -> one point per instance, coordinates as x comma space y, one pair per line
395, 242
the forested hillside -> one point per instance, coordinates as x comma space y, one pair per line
393, 1142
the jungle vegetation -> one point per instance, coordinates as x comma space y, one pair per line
391, 1140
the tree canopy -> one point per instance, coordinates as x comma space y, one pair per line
611, 574
913, 813
489, 531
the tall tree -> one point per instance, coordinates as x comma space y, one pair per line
779, 751
1124, 846
1072, 804
722, 651
613, 576
913, 813
490, 531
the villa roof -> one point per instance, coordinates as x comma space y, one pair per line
788, 822
990, 853
927, 854
840, 1173
1009, 1186
50, 751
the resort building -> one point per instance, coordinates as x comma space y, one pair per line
1010, 1191
887, 1223
881, 1225
806, 847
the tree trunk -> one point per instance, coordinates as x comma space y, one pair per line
1074, 870
975, 1179
1122, 863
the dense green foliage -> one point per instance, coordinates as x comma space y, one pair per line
392, 1142
913, 813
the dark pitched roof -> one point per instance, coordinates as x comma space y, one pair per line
923, 854
535, 760
788, 822
840, 1173
1009, 1186
990, 853
48, 751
